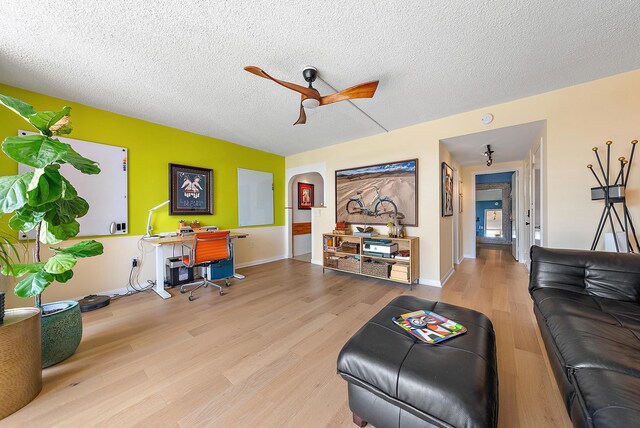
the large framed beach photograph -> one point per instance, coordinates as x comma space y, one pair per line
190, 190
376, 194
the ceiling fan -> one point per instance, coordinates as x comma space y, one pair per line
310, 97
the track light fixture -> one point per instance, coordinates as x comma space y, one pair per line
488, 154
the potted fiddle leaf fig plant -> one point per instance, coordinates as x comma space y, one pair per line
45, 201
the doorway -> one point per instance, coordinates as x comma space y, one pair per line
495, 211
306, 191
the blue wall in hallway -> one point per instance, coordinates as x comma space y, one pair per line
499, 177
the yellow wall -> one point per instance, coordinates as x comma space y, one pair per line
151, 148
578, 118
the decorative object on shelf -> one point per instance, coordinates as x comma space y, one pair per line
305, 196
373, 194
488, 154
613, 192
182, 223
447, 190
342, 228
46, 201
190, 190
195, 224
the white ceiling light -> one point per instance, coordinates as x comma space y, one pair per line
486, 119
310, 103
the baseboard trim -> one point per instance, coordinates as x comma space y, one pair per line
430, 282
444, 280
115, 291
260, 261
316, 262
468, 256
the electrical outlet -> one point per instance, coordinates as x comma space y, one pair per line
134, 262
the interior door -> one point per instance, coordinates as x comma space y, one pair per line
536, 209
514, 215
526, 205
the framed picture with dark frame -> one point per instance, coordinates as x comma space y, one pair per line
375, 194
305, 196
447, 190
190, 190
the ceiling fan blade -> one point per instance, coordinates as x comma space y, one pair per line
309, 92
363, 90
303, 117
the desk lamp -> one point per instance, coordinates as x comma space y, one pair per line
149, 228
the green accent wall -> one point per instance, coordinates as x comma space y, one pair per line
151, 148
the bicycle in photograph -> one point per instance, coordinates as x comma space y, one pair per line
379, 206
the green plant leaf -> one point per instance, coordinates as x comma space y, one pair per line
26, 219
79, 162
60, 263
63, 277
69, 192
66, 211
82, 249
49, 187
33, 284
65, 231
41, 120
45, 120
13, 191
19, 269
37, 151
19, 107
46, 237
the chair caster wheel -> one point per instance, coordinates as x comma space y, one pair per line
182, 291
221, 293
191, 298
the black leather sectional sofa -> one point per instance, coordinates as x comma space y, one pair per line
587, 305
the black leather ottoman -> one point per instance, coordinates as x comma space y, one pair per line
397, 381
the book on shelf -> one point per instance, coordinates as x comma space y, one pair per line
428, 326
399, 276
400, 268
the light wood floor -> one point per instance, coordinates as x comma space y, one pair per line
264, 355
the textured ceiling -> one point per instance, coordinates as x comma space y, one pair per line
180, 63
511, 143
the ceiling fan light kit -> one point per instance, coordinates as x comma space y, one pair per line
310, 97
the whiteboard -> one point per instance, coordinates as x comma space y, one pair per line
106, 192
255, 197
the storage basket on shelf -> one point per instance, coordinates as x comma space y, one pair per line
349, 264
376, 268
349, 247
331, 262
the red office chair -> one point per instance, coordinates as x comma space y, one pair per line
207, 249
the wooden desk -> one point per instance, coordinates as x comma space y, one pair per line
159, 242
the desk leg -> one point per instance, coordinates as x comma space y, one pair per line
233, 249
159, 287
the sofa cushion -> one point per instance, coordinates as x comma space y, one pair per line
587, 343
552, 302
607, 398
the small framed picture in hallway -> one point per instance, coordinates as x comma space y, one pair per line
305, 196
447, 190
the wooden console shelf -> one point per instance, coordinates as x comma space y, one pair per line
347, 253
